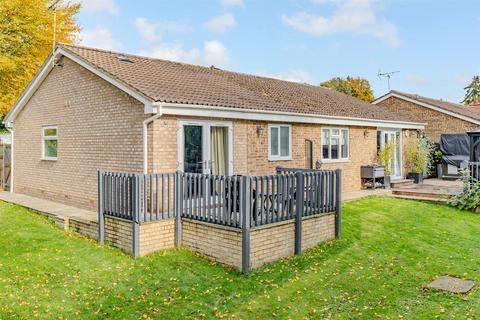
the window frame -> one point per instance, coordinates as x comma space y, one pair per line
46, 138
279, 157
340, 158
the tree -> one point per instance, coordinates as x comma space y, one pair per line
355, 87
473, 92
26, 35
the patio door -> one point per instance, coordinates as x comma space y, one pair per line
205, 147
394, 137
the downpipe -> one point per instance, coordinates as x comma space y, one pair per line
146, 122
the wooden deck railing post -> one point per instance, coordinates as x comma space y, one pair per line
245, 213
136, 218
101, 209
300, 177
338, 202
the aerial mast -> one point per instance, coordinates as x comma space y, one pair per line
387, 75
53, 6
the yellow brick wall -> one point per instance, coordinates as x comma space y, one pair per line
272, 242
99, 127
436, 122
219, 243
119, 233
86, 228
317, 229
155, 236
250, 147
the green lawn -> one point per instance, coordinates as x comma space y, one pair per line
391, 248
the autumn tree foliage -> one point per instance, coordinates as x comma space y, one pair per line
472, 96
355, 87
26, 38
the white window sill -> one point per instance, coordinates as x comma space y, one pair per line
49, 159
335, 161
279, 158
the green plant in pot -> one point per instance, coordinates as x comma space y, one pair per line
385, 158
419, 158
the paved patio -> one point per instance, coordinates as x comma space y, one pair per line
436, 190
65, 217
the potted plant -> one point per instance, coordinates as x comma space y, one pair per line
385, 157
419, 158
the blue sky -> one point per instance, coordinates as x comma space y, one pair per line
433, 43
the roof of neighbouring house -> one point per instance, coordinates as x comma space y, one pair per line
470, 111
173, 82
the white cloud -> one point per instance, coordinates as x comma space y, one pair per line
350, 16
215, 53
415, 79
147, 30
109, 6
232, 3
152, 31
212, 53
99, 37
294, 75
221, 23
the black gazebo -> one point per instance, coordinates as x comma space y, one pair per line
474, 136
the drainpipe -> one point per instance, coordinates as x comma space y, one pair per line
11, 159
145, 136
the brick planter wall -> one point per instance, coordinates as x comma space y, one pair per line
275, 241
155, 236
222, 244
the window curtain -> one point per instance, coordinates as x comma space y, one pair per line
219, 142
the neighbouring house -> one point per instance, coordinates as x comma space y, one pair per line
89, 109
439, 116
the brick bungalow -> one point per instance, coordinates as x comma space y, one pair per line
89, 109
439, 116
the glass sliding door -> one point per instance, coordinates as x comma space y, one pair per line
205, 147
194, 161
394, 137
219, 150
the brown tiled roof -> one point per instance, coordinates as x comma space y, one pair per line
468, 111
167, 81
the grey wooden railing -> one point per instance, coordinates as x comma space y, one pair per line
218, 199
240, 202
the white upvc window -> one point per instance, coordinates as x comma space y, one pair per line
49, 142
335, 144
279, 142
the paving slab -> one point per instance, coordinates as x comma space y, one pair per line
50, 208
452, 284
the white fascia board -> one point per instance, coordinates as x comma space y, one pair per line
426, 105
275, 116
48, 66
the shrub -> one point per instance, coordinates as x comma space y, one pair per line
385, 156
469, 199
420, 155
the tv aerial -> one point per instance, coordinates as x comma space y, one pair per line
387, 75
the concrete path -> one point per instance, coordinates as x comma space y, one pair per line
355, 195
54, 210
